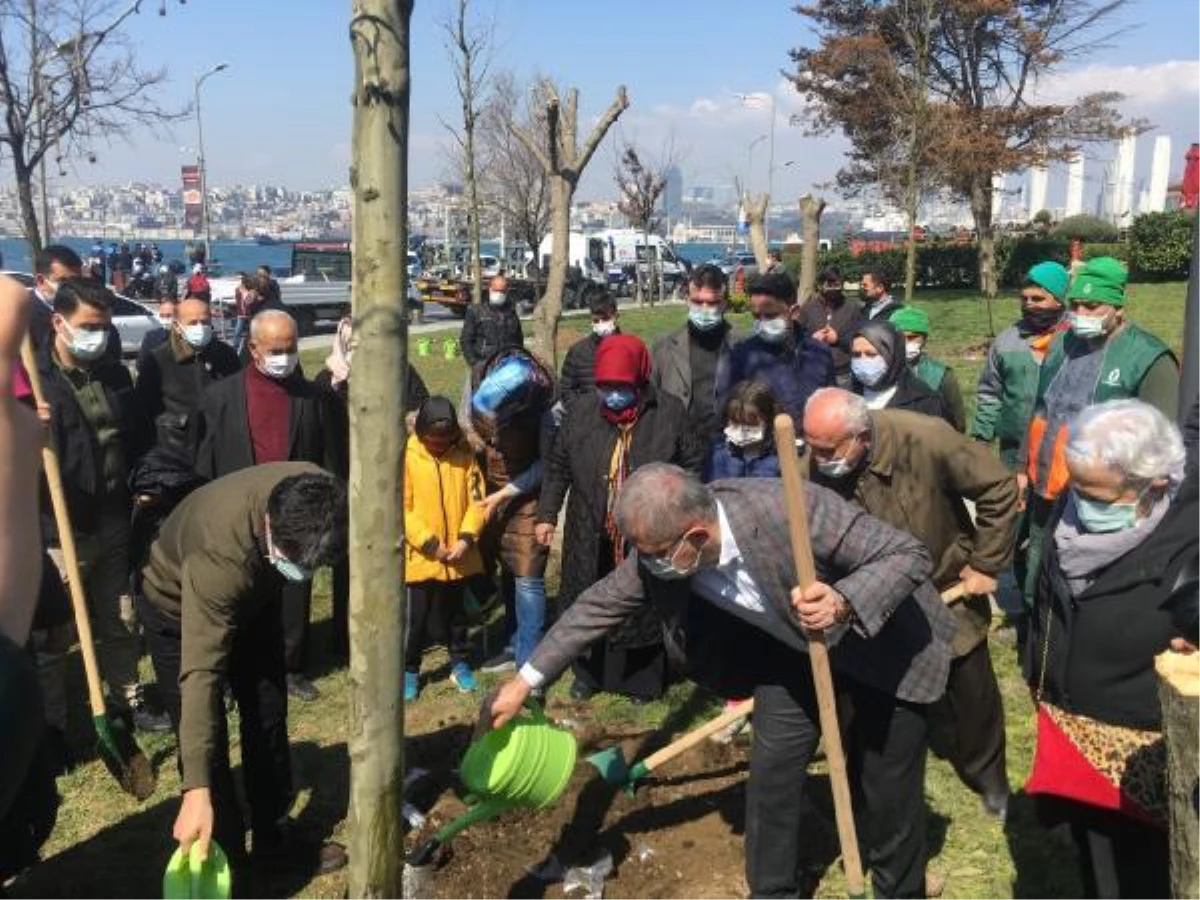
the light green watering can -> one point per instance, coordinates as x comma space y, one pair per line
450, 348
187, 877
528, 762
424, 346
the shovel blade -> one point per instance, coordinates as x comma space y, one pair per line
123, 757
611, 765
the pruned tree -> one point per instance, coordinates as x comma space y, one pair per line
379, 35
811, 209
563, 160
469, 47
69, 78
981, 61
755, 206
641, 187
514, 181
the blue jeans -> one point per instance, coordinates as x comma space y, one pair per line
530, 597
240, 328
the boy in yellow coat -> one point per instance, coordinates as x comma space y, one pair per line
443, 516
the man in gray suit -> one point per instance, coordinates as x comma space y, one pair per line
726, 546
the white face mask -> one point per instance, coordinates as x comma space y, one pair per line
604, 329
913, 350
838, 467
166, 321
773, 331
86, 346
199, 335
1086, 326
497, 298
279, 365
744, 435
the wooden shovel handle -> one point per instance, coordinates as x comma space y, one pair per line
696, 735
818, 654
66, 539
954, 592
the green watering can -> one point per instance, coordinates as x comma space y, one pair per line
528, 763
449, 348
424, 346
187, 877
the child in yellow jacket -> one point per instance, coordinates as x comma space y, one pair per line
443, 516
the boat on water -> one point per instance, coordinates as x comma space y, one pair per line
265, 240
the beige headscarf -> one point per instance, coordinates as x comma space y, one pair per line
338, 361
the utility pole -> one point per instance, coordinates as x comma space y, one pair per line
200, 79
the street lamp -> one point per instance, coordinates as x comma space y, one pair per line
754, 101
200, 79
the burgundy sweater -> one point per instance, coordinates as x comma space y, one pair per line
268, 411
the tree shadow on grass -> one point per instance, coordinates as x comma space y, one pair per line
1045, 859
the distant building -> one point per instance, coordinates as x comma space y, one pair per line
672, 198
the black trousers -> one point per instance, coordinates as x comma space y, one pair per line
257, 680
297, 604
1120, 856
341, 610
966, 726
885, 743
436, 615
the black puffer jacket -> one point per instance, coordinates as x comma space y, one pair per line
579, 370
489, 329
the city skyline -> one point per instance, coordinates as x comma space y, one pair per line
280, 114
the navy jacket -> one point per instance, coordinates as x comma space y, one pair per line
724, 461
793, 373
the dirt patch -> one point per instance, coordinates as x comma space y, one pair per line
680, 835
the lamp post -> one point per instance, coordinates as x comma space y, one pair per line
755, 101
200, 79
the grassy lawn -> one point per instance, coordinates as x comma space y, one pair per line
106, 844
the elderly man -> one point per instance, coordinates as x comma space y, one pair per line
271, 413
715, 562
1102, 357
685, 361
914, 472
491, 326
780, 354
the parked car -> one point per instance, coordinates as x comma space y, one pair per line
132, 319
746, 261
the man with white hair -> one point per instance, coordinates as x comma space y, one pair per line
914, 471
270, 413
715, 562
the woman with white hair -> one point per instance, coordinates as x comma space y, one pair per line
1120, 542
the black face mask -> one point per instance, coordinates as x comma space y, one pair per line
833, 295
1041, 320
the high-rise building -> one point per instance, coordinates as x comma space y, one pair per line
672, 198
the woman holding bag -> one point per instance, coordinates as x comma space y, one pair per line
1121, 540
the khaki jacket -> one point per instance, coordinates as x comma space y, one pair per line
919, 473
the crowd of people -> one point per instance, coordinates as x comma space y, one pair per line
205, 492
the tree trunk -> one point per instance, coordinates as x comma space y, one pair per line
549, 311
810, 223
1178, 687
756, 217
651, 280
912, 204
29, 219
379, 32
981, 211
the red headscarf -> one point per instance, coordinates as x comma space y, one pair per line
622, 359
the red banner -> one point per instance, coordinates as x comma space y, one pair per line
193, 216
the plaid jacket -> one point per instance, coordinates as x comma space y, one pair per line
900, 638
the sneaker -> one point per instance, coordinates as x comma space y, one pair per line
301, 688
504, 661
147, 719
412, 686
464, 678
580, 691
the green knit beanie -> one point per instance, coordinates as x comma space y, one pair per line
1101, 280
1050, 276
910, 319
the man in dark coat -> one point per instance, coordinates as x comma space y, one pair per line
491, 326
714, 560
914, 472
596, 448
270, 413
686, 361
52, 266
830, 317
100, 431
779, 354
172, 376
214, 584
579, 365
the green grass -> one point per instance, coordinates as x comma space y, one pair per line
106, 844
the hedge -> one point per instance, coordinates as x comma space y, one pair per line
1160, 246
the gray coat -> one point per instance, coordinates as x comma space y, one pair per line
899, 641
672, 364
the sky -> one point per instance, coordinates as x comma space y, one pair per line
280, 114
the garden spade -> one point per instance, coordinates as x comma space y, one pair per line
818, 655
615, 770
114, 745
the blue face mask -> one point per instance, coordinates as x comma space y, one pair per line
1098, 517
869, 370
704, 318
619, 399
284, 566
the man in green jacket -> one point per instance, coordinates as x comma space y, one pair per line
1008, 382
1103, 356
213, 585
913, 323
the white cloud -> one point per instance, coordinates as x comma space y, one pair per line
1143, 86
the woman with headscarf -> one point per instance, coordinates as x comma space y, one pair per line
626, 424
880, 373
1118, 568
333, 383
